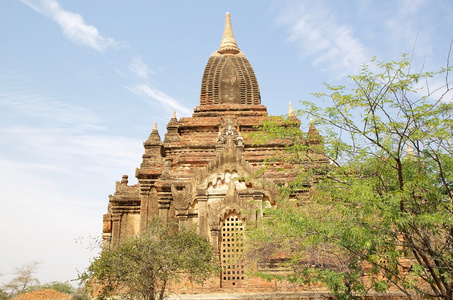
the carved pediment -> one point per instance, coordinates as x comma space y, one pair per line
182, 195
217, 214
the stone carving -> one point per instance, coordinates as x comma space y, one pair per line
182, 196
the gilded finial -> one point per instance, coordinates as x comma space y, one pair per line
174, 114
228, 43
290, 110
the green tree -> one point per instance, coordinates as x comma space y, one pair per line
380, 213
62, 287
4, 295
143, 266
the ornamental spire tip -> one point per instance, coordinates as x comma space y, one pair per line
228, 43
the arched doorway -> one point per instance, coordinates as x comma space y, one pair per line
231, 249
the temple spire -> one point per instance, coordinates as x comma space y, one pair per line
290, 110
228, 43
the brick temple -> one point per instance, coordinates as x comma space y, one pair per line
204, 171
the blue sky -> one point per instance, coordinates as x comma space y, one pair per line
82, 83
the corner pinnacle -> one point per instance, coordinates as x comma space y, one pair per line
154, 137
312, 127
228, 43
290, 110
410, 151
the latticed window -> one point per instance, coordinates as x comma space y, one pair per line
231, 248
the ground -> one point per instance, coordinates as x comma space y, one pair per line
45, 294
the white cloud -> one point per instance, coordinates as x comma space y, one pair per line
161, 98
152, 95
60, 150
332, 45
139, 68
73, 25
59, 137
32, 104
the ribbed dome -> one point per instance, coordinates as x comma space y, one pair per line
228, 76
